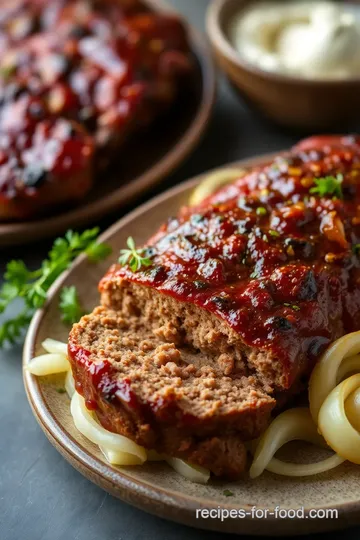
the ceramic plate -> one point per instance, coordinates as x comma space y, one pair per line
162, 148
155, 487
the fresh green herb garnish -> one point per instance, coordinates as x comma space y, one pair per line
32, 285
12, 330
293, 306
356, 249
261, 211
133, 257
98, 251
71, 310
228, 493
273, 233
328, 185
7, 71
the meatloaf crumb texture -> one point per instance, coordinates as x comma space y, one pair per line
183, 322
164, 393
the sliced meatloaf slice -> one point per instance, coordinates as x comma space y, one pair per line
266, 270
183, 322
166, 395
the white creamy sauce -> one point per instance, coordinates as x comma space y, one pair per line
309, 39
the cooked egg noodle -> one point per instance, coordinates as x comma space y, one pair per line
117, 449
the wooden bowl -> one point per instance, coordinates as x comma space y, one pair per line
290, 101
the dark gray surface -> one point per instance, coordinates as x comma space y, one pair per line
41, 496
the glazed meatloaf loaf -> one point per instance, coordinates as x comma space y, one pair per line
239, 296
77, 78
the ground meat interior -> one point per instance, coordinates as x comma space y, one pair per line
275, 256
166, 396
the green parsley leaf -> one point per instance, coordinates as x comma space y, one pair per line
293, 306
32, 286
7, 71
131, 243
355, 249
14, 328
273, 233
17, 273
228, 493
98, 252
328, 185
261, 211
71, 310
134, 258
8, 293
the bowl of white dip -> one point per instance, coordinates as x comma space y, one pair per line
297, 61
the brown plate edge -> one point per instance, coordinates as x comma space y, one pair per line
157, 501
23, 232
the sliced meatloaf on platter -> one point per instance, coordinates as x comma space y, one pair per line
191, 354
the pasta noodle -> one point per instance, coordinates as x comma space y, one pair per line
212, 183
335, 415
324, 377
92, 430
49, 364
289, 426
120, 450
117, 449
352, 408
120, 458
70, 384
333, 419
192, 472
53, 346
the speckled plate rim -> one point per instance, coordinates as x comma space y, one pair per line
30, 231
169, 504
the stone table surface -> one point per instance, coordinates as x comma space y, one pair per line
41, 496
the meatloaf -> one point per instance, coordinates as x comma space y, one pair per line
105, 68
237, 300
164, 395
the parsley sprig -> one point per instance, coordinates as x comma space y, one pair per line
7, 71
135, 258
70, 307
32, 286
328, 185
292, 306
12, 329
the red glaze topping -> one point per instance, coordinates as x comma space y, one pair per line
96, 66
270, 255
102, 375
104, 380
